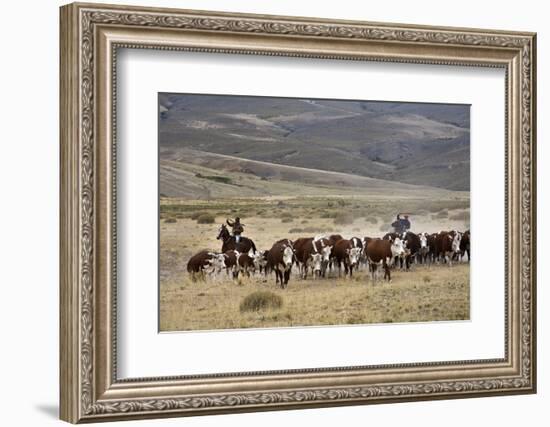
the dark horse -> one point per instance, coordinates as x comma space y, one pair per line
229, 242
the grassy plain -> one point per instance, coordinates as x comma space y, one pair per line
423, 294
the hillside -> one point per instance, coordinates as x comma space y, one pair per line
423, 144
199, 175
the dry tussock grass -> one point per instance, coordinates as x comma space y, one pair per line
216, 302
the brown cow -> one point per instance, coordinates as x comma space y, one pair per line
447, 244
245, 263
379, 252
307, 256
280, 258
333, 238
411, 241
205, 262
345, 252
465, 244
231, 265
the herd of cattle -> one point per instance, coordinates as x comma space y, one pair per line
323, 254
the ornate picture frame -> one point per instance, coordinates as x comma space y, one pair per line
90, 37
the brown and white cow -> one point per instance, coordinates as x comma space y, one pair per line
382, 252
280, 258
308, 255
447, 244
205, 262
260, 260
325, 248
245, 263
424, 252
346, 253
400, 256
412, 245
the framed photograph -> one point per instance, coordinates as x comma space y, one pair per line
265, 212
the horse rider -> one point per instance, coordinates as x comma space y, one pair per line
237, 228
401, 225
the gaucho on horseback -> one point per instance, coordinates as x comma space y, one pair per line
234, 240
237, 228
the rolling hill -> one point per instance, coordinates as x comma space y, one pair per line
187, 173
416, 143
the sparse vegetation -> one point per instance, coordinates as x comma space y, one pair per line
460, 216
371, 219
409, 298
441, 214
170, 220
343, 218
206, 218
385, 227
216, 178
195, 215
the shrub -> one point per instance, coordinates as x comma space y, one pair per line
286, 219
195, 215
313, 230
343, 219
329, 214
206, 218
427, 279
296, 230
261, 300
170, 220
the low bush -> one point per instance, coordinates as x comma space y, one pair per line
206, 218
343, 218
170, 220
194, 216
261, 300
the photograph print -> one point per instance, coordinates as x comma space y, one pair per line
293, 212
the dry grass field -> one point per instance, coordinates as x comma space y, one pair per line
425, 293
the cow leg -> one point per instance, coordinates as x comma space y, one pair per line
387, 273
287, 277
